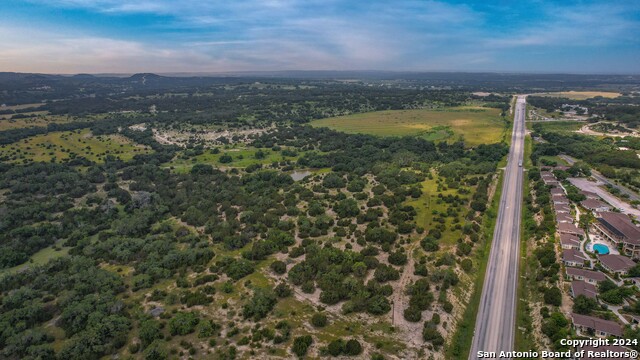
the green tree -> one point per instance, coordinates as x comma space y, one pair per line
301, 345
553, 296
149, 331
584, 305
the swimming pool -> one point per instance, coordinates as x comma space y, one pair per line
601, 249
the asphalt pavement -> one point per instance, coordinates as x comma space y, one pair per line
495, 324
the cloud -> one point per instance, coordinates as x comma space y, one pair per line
575, 26
199, 35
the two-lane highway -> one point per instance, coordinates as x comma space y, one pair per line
495, 324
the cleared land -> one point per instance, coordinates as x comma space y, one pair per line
241, 157
478, 125
67, 144
34, 121
561, 126
581, 95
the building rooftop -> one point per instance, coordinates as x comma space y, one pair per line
587, 274
590, 195
557, 191
570, 229
583, 288
573, 255
616, 262
620, 225
592, 204
569, 239
610, 327
559, 208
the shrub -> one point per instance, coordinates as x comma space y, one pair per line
301, 345
319, 320
336, 347
352, 348
183, 323
553, 296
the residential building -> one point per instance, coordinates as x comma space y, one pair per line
589, 276
559, 199
564, 228
619, 229
573, 257
583, 288
595, 205
618, 264
590, 195
588, 325
564, 218
568, 241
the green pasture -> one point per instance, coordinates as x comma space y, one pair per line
477, 125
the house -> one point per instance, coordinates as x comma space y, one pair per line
583, 288
592, 325
551, 182
557, 191
564, 228
564, 218
568, 241
590, 195
573, 257
559, 199
589, 276
619, 229
618, 264
564, 209
595, 205
561, 167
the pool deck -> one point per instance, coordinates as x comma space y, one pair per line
596, 239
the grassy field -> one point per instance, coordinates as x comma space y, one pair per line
66, 144
581, 95
241, 157
557, 159
477, 125
41, 257
426, 204
561, 126
34, 121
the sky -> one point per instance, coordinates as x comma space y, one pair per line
170, 36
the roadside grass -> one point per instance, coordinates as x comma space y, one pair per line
557, 159
462, 339
581, 95
476, 125
63, 145
561, 126
524, 323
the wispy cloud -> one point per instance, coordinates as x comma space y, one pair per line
200, 35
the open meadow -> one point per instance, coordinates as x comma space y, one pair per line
238, 157
63, 145
581, 95
477, 125
36, 121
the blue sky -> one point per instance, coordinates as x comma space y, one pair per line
127, 36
